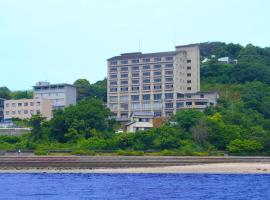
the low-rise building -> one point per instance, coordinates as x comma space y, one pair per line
1, 109
227, 60
61, 95
25, 108
139, 121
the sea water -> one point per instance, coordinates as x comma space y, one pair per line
39, 186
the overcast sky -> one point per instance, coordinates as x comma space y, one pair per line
63, 40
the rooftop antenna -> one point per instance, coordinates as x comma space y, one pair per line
139, 44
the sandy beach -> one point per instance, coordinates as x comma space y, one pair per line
227, 168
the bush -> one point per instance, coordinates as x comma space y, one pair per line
41, 152
81, 152
244, 146
130, 153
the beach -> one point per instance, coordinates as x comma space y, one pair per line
215, 168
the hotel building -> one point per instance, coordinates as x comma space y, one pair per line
160, 83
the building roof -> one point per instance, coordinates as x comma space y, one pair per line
145, 114
53, 85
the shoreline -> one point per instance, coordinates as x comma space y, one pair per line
214, 168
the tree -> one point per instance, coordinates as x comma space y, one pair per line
83, 88
200, 132
36, 124
244, 146
5, 93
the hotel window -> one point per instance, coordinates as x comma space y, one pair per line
146, 106
146, 80
113, 76
146, 60
169, 72
113, 69
124, 115
189, 74
158, 73
168, 105
169, 65
113, 98
32, 112
124, 62
179, 104
146, 73
25, 104
157, 105
146, 87
124, 89
19, 112
188, 88
168, 58
157, 114
135, 106
135, 81
124, 75
169, 86
13, 105
124, 106
189, 67
25, 112
188, 61
124, 98
113, 62
169, 79
169, 96
157, 96
146, 96
201, 95
135, 67
113, 89
19, 104
146, 67
135, 61
157, 87
135, 88
157, 80
180, 96
114, 106
157, 66
124, 69
134, 97
124, 82
188, 96
113, 82
13, 112
157, 59
189, 103
188, 81
135, 74
7, 104
38, 103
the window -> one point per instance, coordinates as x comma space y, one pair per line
124, 89
19, 104
135, 106
135, 67
179, 104
189, 74
124, 62
169, 58
113, 89
113, 82
7, 104
188, 96
146, 87
189, 67
157, 66
25, 112
135, 61
113, 98
113, 69
113, 76
124, 106
134, 97
157, 96
158, 114
169, 96
135, 81
201, 95
146, 96
144, 120
124, 75
146, 73
169, 79
38, 103
180, 96
124, 98
188, 81
188, 88
31, 103
25, 104
114, 106
169, 65
32, 112
200, 103
146, 80
19, 112
157, 87
158, 73
124, 69
189, 103
169, 105
169, 86
169, 72
13, 112
188, 61
146, 60
146, 106
113, 62
124, 115
157, 80
157, 59
135, 74
135, 88
124, 82
146, 67
13, 104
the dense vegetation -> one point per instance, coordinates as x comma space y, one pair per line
5, 93
240, 124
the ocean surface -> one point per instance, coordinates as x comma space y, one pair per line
39, 186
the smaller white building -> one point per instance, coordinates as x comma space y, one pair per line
227, 60
139, 121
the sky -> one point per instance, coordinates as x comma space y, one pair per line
61, 41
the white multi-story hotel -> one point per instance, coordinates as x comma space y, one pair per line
160, 83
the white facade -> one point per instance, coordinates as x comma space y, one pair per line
139, 121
